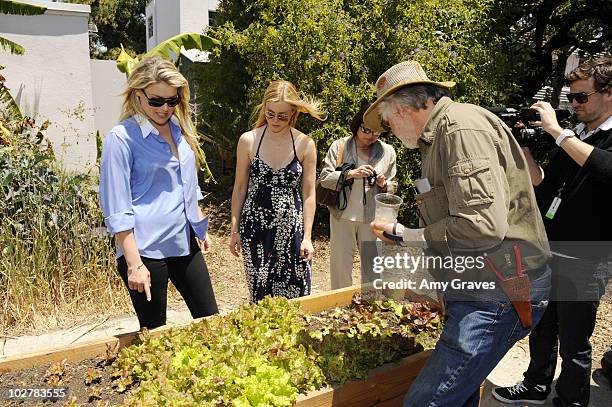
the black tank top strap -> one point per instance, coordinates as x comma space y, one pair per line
261, 139
293, 143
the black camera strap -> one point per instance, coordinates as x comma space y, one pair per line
575, 184
344, 183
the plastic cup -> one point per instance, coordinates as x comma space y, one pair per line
387, 208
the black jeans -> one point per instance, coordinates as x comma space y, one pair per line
189, 274
570, 319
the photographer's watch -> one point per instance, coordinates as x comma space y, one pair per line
564, 134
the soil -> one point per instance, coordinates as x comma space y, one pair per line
72, 378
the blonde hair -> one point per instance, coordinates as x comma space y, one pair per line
153, 70
284, 91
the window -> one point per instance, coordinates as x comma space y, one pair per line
150, 26
213, 18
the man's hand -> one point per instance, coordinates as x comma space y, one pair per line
397, 229
379, 228
548, 119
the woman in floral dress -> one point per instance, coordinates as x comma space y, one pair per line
273, 201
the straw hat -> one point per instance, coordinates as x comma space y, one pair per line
399, 75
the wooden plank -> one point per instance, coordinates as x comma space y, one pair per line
386, 384
72, 353
394, 402
321, 301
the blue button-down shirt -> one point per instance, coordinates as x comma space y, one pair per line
145, 188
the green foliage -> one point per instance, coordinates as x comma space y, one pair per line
350, 341
335, 50
539, 35
250, 355
50, 237
20, 8
169, 49
6, 100
266, 354
119, 23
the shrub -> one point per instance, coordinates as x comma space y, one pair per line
55, 253
335, 50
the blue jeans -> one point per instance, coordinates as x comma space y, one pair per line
476, 336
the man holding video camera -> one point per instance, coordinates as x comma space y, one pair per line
575, 196
475, 198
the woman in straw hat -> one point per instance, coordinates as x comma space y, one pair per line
273, 201
149, 195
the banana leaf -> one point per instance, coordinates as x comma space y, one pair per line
169, 49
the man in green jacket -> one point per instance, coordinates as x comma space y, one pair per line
475, 199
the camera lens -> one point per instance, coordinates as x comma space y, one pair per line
372, 179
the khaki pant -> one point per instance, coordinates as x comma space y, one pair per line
345, 236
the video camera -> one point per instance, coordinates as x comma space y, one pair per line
526, 135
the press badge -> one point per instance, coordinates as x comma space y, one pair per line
553, 208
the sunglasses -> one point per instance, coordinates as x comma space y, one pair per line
281, 117
159, 102
581, 97
369, 131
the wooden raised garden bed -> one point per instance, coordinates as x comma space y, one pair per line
385, 385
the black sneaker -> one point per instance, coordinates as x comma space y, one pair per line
520, 393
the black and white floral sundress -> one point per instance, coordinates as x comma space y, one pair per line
272, 228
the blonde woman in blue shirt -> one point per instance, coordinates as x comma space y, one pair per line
149, 195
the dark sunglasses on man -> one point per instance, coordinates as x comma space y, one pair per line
159, 102
581, 97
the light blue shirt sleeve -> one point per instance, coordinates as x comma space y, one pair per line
115, 190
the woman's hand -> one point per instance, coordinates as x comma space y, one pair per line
234, 244
381, 181
206, 244
306, 250
362, 171
139, 279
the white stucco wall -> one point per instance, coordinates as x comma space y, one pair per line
107, 84
166, 20
173, 17
52, 80
194, 14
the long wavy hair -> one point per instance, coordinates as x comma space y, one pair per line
153, 70
284, 91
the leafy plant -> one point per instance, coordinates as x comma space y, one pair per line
169, 49
266, 354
